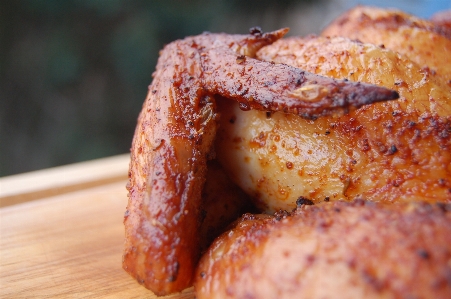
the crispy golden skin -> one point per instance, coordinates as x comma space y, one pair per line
174, 134
393, 151
333, 250
424, 42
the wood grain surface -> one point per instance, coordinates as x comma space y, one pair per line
68, 245
33, 185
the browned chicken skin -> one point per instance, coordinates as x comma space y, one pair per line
174, 136
416, 38
333, 250
222, 203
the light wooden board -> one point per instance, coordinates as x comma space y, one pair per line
68, 246
19, 188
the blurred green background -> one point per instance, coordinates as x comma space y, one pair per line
74, 73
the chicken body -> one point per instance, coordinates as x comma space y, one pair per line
174, 135
286, 142
391, 152
333, 250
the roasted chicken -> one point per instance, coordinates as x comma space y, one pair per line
288, 123
342, 249
175, 131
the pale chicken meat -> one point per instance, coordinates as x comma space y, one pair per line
355, 249
174, 136
393, 151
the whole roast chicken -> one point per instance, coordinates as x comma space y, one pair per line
257, 123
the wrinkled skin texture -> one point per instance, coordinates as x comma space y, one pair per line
424, 42
357, 250
394, 151
174, 135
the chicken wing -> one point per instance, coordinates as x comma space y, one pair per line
174, 135
394, 151
333, 250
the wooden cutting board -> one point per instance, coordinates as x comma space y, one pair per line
62, 237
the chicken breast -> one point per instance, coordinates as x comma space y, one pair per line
333, 250
424, 42
391, 152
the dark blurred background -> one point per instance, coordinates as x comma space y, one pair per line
74, 73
